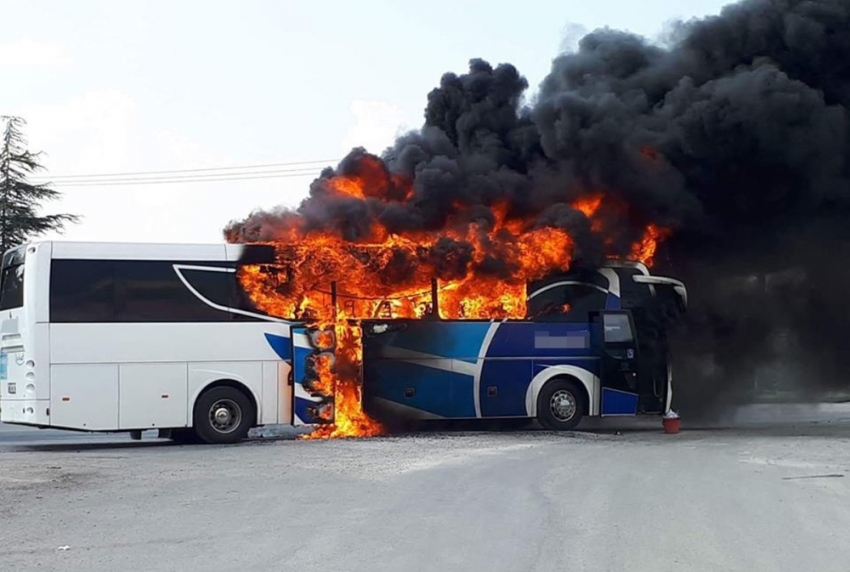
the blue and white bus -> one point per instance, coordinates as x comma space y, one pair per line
132, 337
606, 356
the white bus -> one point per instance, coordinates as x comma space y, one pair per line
131, 337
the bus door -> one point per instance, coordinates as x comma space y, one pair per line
619, 359
653, 369
312, 364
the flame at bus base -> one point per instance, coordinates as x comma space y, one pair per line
482, 266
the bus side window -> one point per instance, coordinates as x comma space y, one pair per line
151, 291
82, 291
618, 328
567, 303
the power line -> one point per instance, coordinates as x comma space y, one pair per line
124, 182
299, 164
210, 176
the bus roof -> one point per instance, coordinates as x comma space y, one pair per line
140, 251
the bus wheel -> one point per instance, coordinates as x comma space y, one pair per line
223, 415
560, 405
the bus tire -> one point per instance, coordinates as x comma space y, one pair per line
222, 415
560, 405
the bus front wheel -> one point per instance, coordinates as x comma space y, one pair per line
223, 415
560, 405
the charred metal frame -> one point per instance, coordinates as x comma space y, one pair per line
433, 313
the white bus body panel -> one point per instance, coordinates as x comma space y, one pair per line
85, 396
176, 360
162, 343
152, 395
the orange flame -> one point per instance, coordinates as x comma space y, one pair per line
349, 418
384, 275
644, 250
588, 205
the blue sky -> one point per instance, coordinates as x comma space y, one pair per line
117, 86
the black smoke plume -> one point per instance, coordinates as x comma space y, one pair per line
734, 136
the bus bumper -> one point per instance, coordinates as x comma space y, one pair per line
25, 411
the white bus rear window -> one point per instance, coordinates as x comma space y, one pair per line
12, 289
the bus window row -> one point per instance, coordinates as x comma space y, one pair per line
97, 291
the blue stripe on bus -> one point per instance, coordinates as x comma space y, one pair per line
280, 345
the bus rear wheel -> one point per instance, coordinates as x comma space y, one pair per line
560, 405
223, 415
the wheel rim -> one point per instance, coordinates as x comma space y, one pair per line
225, 416
562, 405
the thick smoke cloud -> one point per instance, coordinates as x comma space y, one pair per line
734, 136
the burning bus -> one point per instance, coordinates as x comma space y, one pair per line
593, 343
132, 337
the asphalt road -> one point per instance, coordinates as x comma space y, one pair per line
757, 497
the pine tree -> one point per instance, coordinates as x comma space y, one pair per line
20, 201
